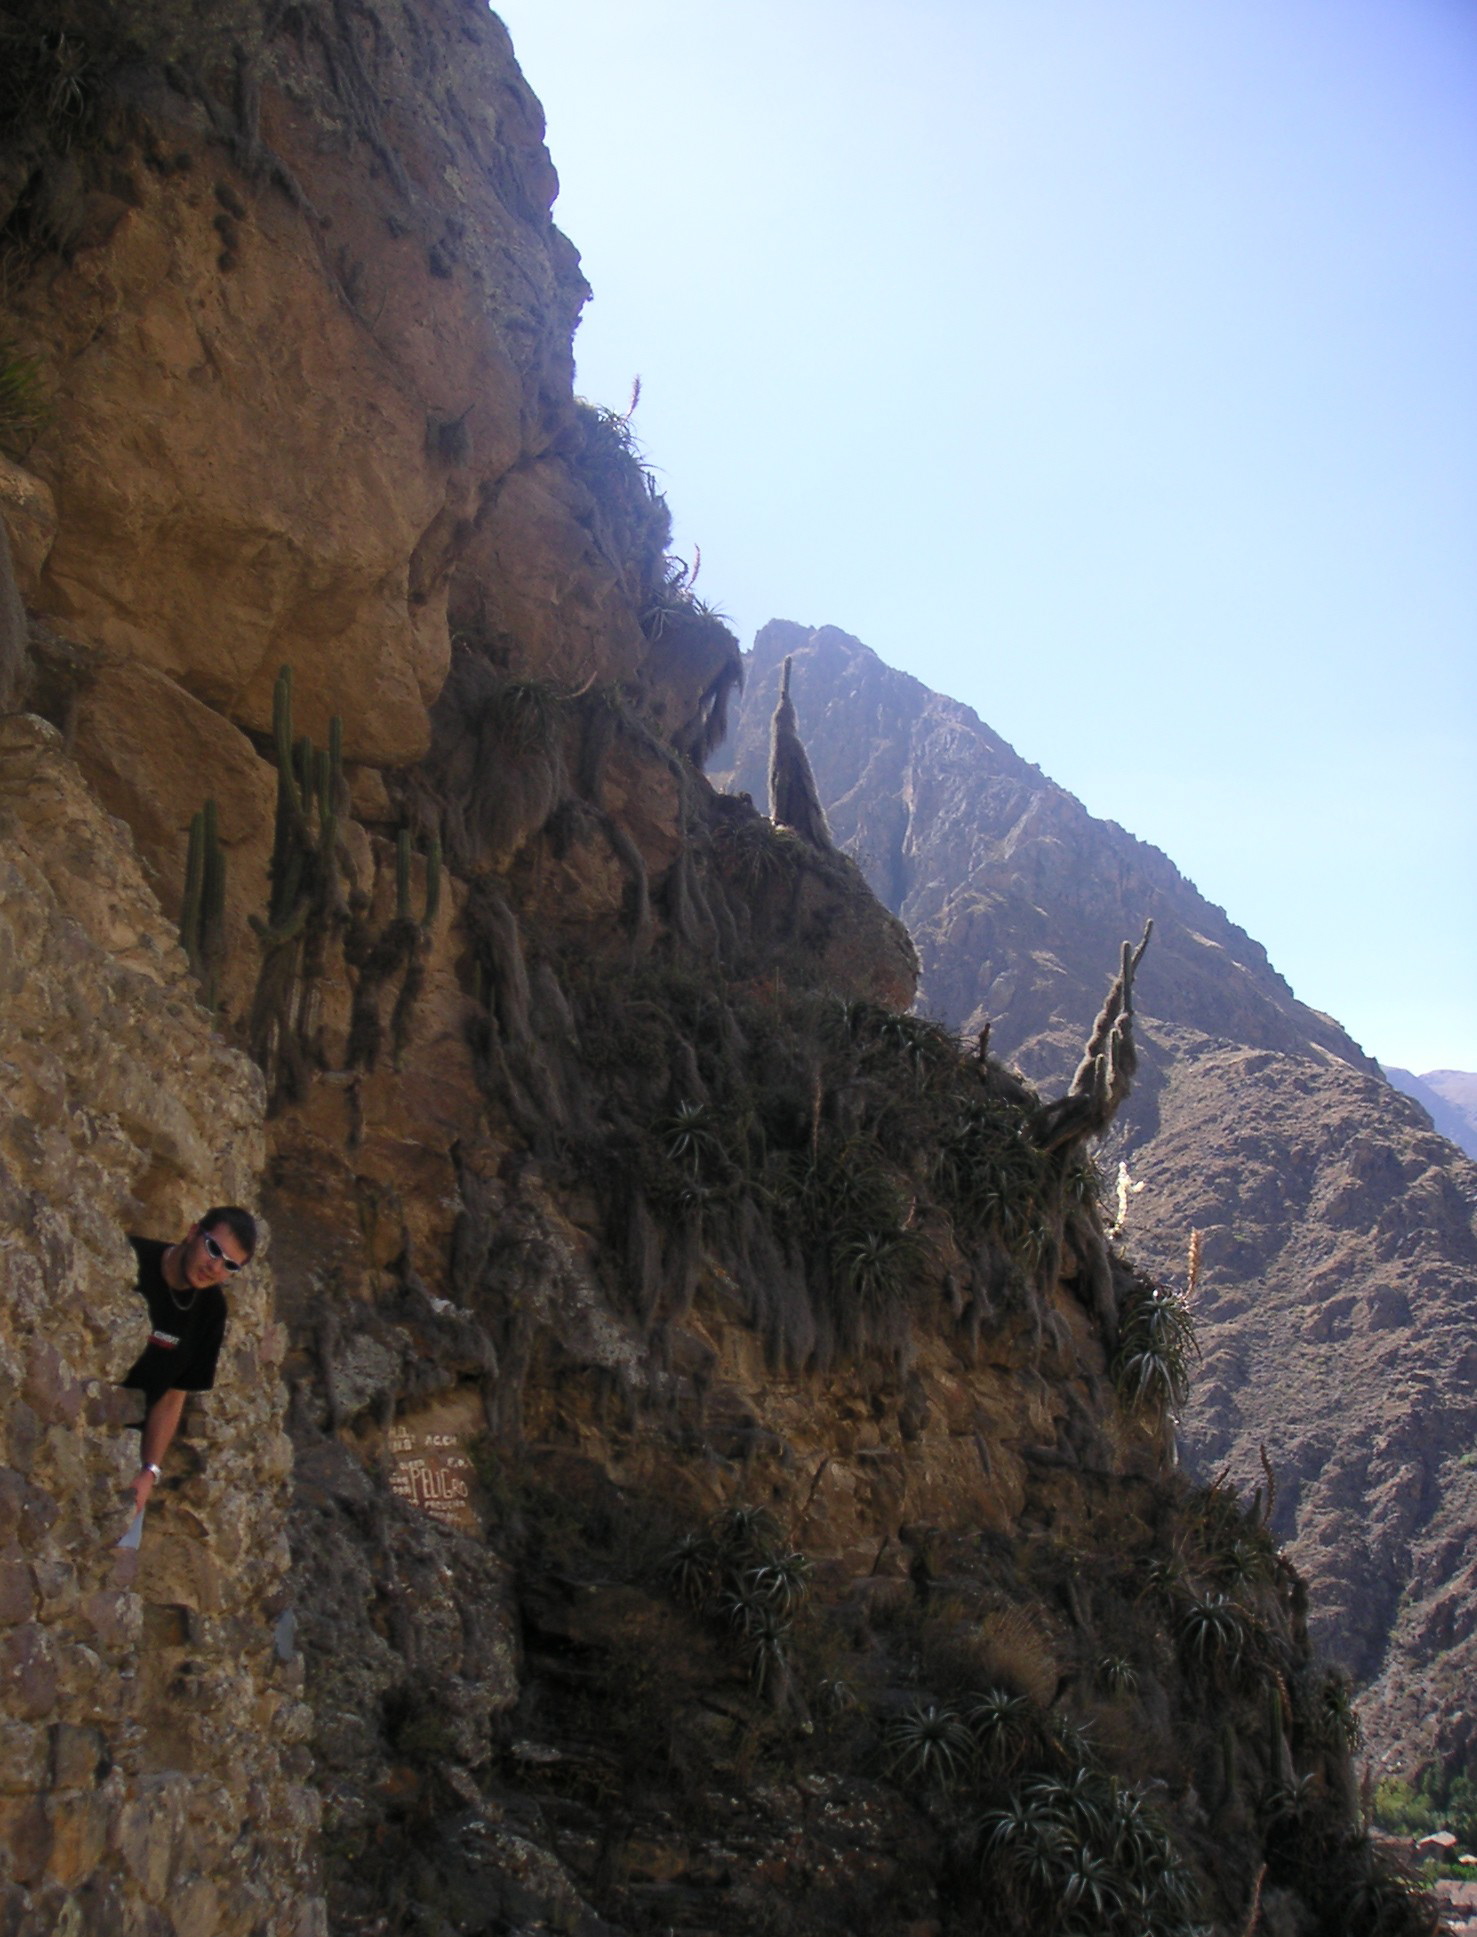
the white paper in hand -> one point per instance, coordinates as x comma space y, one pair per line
135, 1531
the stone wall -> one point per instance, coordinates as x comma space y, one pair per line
150, 1773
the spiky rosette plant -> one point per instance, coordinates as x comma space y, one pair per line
1117, 1674
1216, 1637
736, 1573
1081, 1854
929, 1744
693, 1569
1328, 1713
1156, 1343
1005, 1727
1381, 1900
993, 1180
783, 1581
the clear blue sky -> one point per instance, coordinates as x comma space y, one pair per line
1111, 365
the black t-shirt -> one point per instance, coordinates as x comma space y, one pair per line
186, 1329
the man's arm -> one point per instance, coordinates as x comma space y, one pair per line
160, 1427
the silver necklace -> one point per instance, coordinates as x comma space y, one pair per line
181, 1304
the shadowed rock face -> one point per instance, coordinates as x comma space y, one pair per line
1337, 1312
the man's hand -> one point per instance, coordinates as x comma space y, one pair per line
140, 1487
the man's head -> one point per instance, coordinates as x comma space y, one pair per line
219, 1245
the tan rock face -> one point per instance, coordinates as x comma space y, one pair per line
155, 754
280, 508
235, 491
533, 576
28, 512
152, 1678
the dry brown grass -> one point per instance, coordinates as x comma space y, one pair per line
1016, 1652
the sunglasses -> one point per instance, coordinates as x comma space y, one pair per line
219, 1256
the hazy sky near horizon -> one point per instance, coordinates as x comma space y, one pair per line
1111, 365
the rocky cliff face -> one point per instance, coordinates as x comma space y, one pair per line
728, 1472
154, 1731
1336, 1314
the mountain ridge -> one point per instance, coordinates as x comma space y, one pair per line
1336, 1311
930, 878
1449, 1098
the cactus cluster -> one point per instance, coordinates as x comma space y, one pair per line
202, 922
404, 849
378, 954
309, 786
305, 894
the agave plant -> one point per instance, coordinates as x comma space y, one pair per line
691, 1569
783, 1581
1086, 1857
1083, 1182
1071, 1739
879, 1266
1334, 1720
835, 1696
525, 715
1090, 1886
928, 1743
24, 406
849, 1185
1245, 1561
922, 1047
754, 851
690, 1137
1156, 1341
1118, 1674
1155, 1879
765, 1650
744, 1534
993, 1180
1286, 1804
743, 1610
1382, 1901
1030, 1846
1003, 1726
1081, 1803
1214, 1634
1165, 1577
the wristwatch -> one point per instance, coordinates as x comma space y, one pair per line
149, 1467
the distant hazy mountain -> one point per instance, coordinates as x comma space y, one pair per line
1449, 1097
1338, 1311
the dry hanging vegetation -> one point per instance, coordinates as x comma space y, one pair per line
860, 1176
854, 1171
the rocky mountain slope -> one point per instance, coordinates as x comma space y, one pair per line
689, 1443
1338, 1310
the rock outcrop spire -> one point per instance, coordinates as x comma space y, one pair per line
793, 799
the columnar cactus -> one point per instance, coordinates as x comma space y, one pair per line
305, 894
